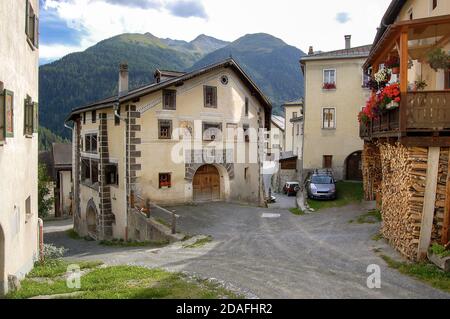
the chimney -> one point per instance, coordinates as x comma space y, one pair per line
348, 42
311, 50
123, 79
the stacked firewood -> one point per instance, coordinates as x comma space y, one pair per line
404, 174
371, 170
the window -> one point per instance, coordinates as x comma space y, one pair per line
212, 131
365, 79
89, 171
30, 117
434, 4
246, 107
31, 25
246, 128
294, 115
28, 212
165, 129
94, 116
90, 143
116, 118
210, 96
246, 176
329, 118
6, 114
169, 100
112, 175
329, 79
327, 161
165, 180
84, 118
410, 14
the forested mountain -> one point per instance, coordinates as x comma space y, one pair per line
80, 78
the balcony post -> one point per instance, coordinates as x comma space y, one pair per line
404, 58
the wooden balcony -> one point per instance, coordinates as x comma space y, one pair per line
422, 119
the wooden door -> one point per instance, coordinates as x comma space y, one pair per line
207, 184
354, 167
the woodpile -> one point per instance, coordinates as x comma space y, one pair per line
371, 171
402, 188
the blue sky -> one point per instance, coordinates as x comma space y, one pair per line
74, 25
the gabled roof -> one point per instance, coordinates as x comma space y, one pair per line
389, 18
154, 87
356, 52
279, 121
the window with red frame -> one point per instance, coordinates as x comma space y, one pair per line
165, 180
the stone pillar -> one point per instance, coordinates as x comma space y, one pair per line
133, 154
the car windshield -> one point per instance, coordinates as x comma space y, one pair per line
322, 180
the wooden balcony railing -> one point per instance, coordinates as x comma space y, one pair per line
426, 112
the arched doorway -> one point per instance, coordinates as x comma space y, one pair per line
354, 167
2, 262
206, 184
91, 220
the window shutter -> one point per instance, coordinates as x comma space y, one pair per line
35, 117
36, 31
27, 13
214, 102
204, 96
9, 113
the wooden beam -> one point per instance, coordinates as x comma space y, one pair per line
404, 58
429, 202
446, 222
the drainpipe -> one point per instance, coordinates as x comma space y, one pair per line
127, 154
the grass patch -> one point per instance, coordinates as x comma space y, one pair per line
425, 272
440, 251
347, 193
377, 237
130, 243
297, 211
72, 234
371, 217
57, 268
128, 282
199, 243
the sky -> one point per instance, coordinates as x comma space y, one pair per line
68, 26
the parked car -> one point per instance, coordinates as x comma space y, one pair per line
321, 185
291, 188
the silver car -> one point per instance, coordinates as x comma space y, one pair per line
321, 186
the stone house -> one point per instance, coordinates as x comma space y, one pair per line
335, 92
19, 55
188, 137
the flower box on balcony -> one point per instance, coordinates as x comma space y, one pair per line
329, 86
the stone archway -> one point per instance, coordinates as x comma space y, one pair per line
353, 167
3, 279
91, 219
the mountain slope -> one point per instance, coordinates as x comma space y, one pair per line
270, 62
84, 77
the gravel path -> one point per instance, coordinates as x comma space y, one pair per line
269, 253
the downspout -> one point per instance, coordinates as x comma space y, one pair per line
126, 154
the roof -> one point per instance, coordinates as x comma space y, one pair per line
389, 18
294, 103
287, 156
356, 52
154, 87
279, 121
62, 154
168, 73
45, 158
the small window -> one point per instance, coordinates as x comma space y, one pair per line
328, 161
28, 211
116, 118
210, 96
434, 4
246, 175
90, 143
212, 131
246, 129
28, 117
84, 118
165, 180
411, 14
165, 129
169, 100
224, 79
112, 174
329, 118
246, 107
94, 116
329, 79
294, 115
31, 25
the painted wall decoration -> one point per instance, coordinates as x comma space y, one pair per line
9, 113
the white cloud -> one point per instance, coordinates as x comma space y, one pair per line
300, 23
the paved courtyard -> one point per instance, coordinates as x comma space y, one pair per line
268, 253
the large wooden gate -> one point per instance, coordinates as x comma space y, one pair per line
354, 167
206, 184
